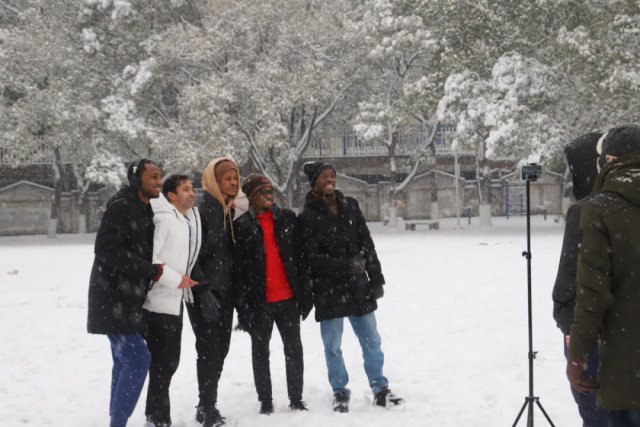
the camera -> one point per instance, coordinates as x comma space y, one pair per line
530, 172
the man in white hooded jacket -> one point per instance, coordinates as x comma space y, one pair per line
176, 244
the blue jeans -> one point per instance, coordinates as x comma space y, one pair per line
591, 415
624, 418
366, 330
131, 360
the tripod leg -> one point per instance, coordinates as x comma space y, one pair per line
545, 413
520, 413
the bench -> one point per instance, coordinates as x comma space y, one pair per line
433, 225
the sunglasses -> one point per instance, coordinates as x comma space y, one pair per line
265, 192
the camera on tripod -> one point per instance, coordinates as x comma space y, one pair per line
530, 172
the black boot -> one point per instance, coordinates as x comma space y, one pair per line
387, 399
213, 418
266, 407
298, 405
153, 422
341, 401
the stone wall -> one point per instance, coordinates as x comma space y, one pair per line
25, 206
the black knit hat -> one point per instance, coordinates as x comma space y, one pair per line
253, 182
313, 169
621, 140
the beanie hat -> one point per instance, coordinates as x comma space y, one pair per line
223, 167
621, 140
253, 182
313, 169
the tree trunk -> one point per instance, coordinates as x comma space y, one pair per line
52, 228
483, 177
392, 180
82, 202
435, 210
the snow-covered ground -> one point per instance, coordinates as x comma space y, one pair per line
453, 323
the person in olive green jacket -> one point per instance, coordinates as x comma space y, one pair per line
607, 307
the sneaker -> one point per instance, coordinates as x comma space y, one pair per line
213, 419
266, 407
151, 422
298, 405
341, 401
387, 399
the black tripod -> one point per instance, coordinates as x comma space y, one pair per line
530, 399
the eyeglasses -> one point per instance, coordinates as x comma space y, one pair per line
265, 192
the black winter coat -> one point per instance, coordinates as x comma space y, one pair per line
122, 268
214, 264
581, 157
564, 289
249, 258
328, 242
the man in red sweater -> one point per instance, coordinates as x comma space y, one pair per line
267, 285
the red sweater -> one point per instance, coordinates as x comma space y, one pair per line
278, 287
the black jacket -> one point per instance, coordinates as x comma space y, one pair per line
122, 268
328, 243
581, 157
213, 268
564, 289
249, 257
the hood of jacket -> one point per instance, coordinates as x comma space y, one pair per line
162, 206
125, 193
622, 177
210, 184
582, 158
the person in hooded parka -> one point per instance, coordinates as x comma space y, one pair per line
582, 157
607, 309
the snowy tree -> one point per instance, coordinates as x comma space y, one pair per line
51, 112
399, 74
503, 116
254, 81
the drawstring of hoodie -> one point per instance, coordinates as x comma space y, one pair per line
227, 213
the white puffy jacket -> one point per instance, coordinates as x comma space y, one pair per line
171, 247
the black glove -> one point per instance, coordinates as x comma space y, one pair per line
376, 292
358, 263
210, 306
305, 306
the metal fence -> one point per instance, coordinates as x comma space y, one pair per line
349, 144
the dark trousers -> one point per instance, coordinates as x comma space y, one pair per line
286, 316
591, 415
624, 418
163, 339
131, 360
212, 346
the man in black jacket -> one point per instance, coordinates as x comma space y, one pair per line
581, 157
341, 268
268, 290
120, 279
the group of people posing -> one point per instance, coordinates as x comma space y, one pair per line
237, 250
597, 290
